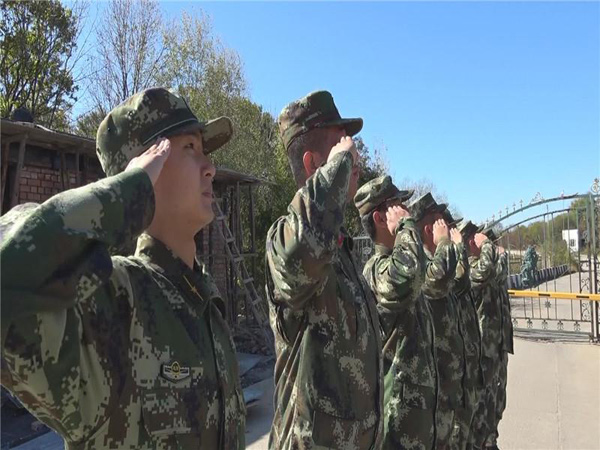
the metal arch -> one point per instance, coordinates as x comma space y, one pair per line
538, 203
504, 230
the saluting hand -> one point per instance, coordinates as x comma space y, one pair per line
393, 215
153, 159
456, 236
346, 144
480, 238
440, 231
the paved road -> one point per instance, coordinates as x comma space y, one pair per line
553, 401
553, 397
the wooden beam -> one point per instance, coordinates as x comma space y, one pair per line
14, 138
4, 175
64, 174
16, 187
77, 174
84, 180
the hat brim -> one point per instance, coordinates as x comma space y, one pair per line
215, 133
352, 126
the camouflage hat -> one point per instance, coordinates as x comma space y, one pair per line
316, 110
424, 205
450, 220
467, 228
133, 126
376, 192
489, 232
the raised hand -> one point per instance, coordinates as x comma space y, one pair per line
440, 231
153, 159
393, 215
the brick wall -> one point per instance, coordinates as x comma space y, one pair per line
38, 184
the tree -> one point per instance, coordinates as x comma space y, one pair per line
39, 42
128, 52
196, 64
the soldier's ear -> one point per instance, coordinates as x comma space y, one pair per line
378, 219
310, 165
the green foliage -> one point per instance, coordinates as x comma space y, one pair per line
38, 40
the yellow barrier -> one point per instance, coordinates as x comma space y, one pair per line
562, 295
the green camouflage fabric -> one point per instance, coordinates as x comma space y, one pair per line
485, 294
395, 276
376, 192
425, 204
329, 370
315, 110
115, 353
449, 345
134, 125
473, 382
507, 325
500, 400
507, 341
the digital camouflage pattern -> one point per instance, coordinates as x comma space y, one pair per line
507, 340
315, 110
473, 382
134, 125
449, 345
328, 374
377, 192
395, 276
485, 294
424, 205
115, 353
507, 325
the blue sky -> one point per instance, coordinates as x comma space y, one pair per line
491, 101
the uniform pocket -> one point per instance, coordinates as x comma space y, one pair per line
416, 396
165, 412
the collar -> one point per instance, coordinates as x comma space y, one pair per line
381, 249
196, 283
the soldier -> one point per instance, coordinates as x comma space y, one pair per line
328, 374
483, 259
474, 381
441, 260
506, 346
125, 352
395, 273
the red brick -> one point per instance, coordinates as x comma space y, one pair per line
25, 188
34, 182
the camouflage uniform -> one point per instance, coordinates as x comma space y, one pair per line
118, 352
328, 373
485, 293
449, 345
507, 340
469, 321
410, 373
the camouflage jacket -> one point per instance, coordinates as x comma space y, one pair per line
328, 373
507, 325
485, 293
128, 353
469, 321
395, 276
449, 344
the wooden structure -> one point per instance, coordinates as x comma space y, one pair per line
37, 163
